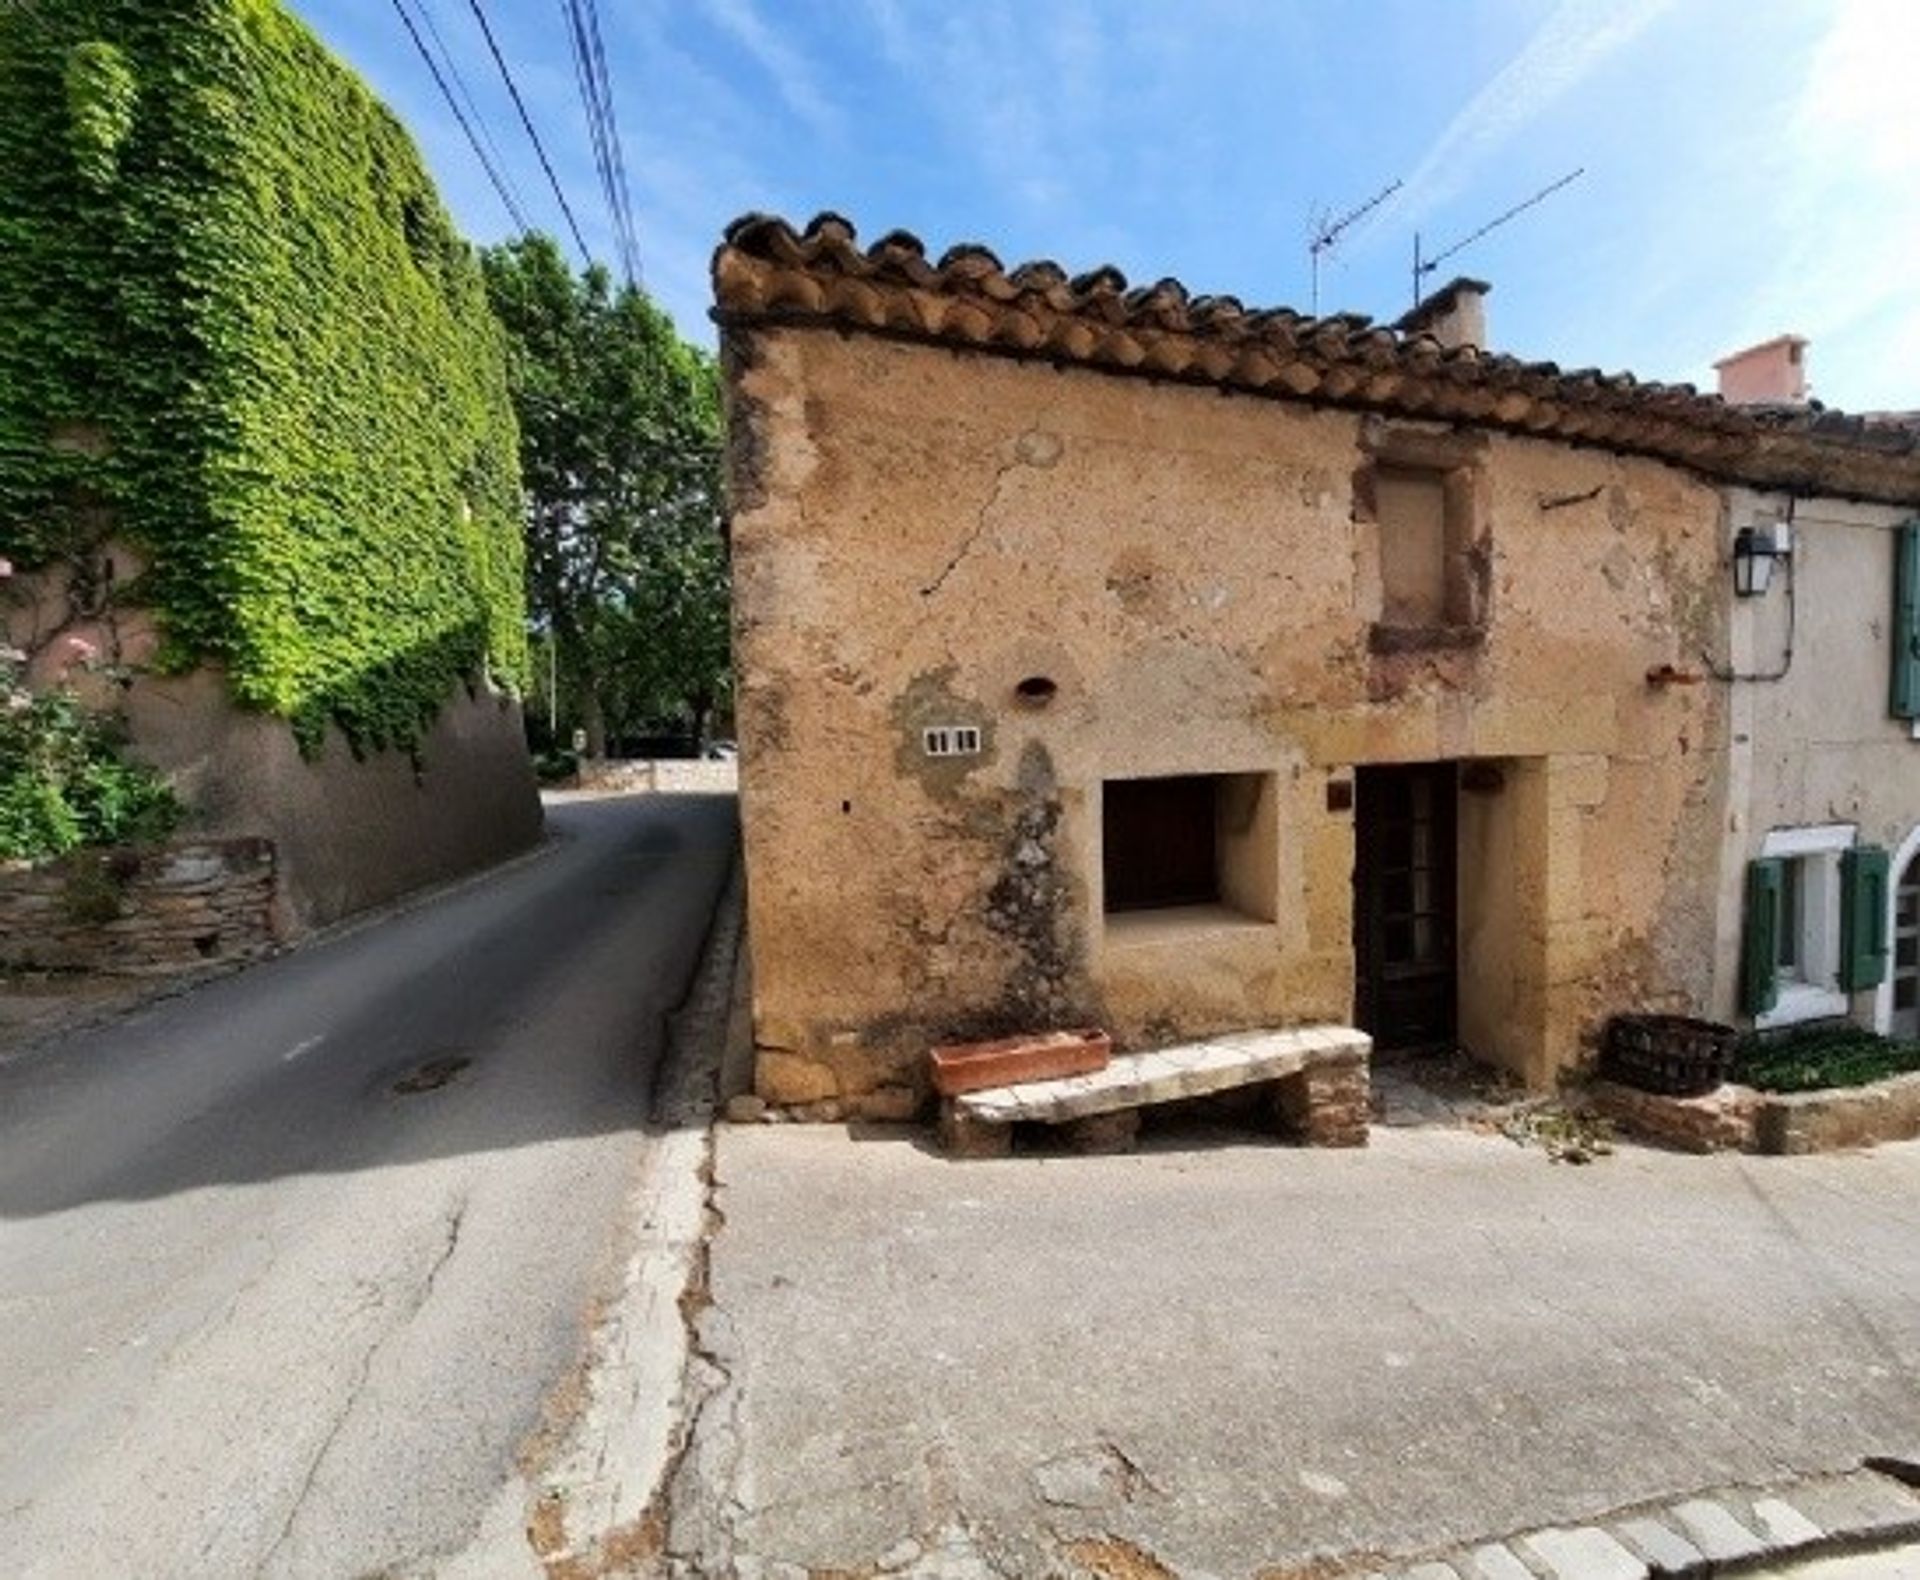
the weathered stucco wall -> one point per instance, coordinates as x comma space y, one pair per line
349, 832
916, 532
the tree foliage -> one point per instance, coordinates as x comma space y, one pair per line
620, 438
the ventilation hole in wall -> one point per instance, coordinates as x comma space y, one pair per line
1036, 691
846, 806
207, 943
951, 740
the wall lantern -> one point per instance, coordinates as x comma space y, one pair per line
1754, 551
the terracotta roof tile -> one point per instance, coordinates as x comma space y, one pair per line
766, 273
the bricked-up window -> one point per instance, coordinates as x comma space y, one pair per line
1411, 508
1190, 840
1421, 496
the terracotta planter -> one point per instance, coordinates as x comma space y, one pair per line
975, 1066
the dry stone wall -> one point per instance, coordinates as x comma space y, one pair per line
666, 774
151, 912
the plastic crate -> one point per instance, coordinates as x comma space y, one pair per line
1673, 1055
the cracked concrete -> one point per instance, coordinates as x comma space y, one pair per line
456, 1214
1223, 1358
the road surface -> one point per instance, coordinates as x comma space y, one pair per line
277, 1299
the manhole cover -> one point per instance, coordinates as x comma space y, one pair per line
431, 1076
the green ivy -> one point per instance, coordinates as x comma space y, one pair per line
238, 331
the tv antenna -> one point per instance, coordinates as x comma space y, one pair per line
1425, 267
1326, 232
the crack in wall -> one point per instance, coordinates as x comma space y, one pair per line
1000, 474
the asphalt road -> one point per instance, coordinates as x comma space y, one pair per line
263, 1310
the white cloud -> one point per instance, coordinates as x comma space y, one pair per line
1844, 229
1020, 92
788, 69
1566, 48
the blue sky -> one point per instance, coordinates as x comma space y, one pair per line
1749, 168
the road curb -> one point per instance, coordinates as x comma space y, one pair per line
1735, 1530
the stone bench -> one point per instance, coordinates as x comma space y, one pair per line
1318, 1075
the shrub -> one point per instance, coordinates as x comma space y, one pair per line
1822, 1056
63, 780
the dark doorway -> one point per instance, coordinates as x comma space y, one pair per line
1404, 902
1158, 842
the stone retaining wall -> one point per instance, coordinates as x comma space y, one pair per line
145, 912
682, 775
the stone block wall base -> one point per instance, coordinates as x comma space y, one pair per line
1737, 1118
1329, 1106
1721, 1121
964, 1137
1103, 1133
1838, 1119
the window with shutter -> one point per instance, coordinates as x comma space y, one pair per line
1864, 872
1906, 622
1760, 951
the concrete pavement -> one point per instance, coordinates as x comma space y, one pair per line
298, 1272
1224, 1357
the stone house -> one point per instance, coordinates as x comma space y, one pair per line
1130, 656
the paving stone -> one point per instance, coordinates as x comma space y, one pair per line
1431, 1571
1711, 1527
1583, 1552
1856, 1503
1782, 1524
1494, 1561
1658, 1543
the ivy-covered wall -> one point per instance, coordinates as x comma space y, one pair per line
234, 314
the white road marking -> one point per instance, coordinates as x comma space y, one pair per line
301, 1047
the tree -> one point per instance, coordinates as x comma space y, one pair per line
620, 440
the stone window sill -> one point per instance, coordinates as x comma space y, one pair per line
1180, 925
1801, 1002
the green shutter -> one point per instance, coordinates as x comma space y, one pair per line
1906, 622
1863, 917
1760, 947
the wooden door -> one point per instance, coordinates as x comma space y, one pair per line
1404, 904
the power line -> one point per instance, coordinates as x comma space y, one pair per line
596, 97
526, 120
588, 86
617, 177
460, 83
473, 141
